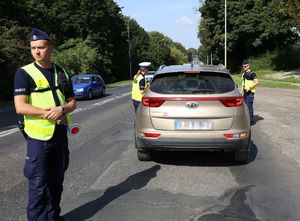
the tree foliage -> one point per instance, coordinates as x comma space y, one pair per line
253, 27
77, 56
292, 9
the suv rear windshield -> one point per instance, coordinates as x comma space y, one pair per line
196, 83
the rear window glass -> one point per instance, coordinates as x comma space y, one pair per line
202, 83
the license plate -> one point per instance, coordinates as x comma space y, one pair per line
193, 125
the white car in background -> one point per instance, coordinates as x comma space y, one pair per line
149, 76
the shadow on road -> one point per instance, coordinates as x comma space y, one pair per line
134, 182
257, 118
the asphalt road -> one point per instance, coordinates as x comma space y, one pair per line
105, 181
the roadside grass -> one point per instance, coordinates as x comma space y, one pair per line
268, 65
119, 83
292, 80
265, 80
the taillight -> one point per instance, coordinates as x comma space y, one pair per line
232, 101
150, 135
236, 135
152, 101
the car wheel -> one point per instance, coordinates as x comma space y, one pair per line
243, 156
90, 95
103, 93
143, 155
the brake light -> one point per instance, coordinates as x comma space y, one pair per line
152, 101
232, 101
151, 135
236, 135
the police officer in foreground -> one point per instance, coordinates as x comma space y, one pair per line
43, 93
139, 85
249, 82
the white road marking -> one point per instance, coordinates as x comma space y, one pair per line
8, 132
13, 130
77, 110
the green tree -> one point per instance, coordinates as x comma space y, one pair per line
253, 27
139, 44
14, 53
178, 56
190, 53
76, 56
291, 8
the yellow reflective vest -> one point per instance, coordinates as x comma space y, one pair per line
37, 127
247, 83
136, 94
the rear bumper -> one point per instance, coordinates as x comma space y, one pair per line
193, 144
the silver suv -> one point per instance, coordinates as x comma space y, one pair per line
193, 107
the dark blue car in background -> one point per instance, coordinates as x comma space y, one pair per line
88, 86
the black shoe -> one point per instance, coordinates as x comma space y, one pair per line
252, 122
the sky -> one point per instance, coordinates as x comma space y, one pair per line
177, 19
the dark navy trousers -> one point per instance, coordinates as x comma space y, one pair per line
45, 165
249, 99
135, 104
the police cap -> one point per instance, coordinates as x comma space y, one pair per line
145, 64
38, 34
245, 62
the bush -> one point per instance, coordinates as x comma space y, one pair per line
284, 59
288, 59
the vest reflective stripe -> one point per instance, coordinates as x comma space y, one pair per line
248, 83
136, 94
36, 127
33, 129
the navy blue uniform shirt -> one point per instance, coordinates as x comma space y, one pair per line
249, 75
142, 84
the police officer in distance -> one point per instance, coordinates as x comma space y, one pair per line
249, 82
139, 85
43, 93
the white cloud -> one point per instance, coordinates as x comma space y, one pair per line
184, 21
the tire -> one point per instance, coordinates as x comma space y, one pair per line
243, 156
143, 155
103, 93
90, 95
